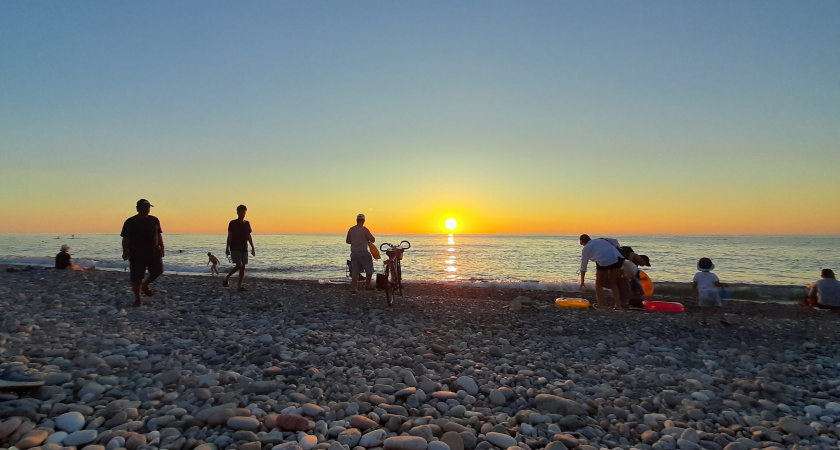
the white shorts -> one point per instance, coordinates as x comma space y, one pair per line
709, 299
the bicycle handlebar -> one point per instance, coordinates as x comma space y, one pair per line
389, 246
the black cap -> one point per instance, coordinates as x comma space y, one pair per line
144, 202
705, 265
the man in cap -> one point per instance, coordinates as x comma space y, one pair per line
239, 236
358, 237
143, 247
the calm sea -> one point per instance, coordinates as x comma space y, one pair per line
533, 262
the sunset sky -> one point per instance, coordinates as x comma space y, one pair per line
617, 117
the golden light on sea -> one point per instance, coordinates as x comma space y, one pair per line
451, 224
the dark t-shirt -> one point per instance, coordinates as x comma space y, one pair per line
239, 233
142, 234
62, 260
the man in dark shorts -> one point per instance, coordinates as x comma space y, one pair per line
239, 236
142, 245
360, 258
608, 263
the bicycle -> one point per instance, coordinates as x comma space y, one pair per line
391, 280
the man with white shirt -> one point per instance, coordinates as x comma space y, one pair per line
608, 263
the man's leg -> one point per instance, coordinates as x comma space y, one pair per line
368, 272
241, 275
226, 281
599, 289
155, 270
626, 292
614, 275
135, 287
137, 270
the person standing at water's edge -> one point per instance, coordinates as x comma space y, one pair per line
704, 289
239, 236
358, 237
608, 262
214, 261
142, 243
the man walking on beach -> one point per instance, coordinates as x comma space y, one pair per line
358, 237
142, 243
608, 262
239, 236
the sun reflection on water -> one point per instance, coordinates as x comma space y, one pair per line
449, 264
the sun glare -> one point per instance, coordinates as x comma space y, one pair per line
450, 224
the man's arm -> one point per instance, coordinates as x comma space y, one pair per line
227, 244
160, 239
582, 276
253, 250
348, 237
125, 254
813, 293
370, 237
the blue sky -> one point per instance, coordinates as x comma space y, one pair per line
557, 113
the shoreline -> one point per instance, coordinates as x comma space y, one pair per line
201, 366
665, 290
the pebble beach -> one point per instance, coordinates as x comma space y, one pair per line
300, 365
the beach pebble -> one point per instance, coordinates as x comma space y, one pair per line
361, 422
500, 439
308, 442
467, 384
558, 405
405, 443
243, 423
32, 438
373, 438
791, 425
70, 421
80, 437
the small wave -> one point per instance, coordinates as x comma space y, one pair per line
542, 285
756, 292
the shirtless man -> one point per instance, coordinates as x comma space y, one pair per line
214, 261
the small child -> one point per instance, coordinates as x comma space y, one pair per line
704, 289
214, 261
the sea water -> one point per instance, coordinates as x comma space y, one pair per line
774, 264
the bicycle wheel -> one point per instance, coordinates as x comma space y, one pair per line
389, 294
399, 276
392, 285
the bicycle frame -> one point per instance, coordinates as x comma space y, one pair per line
392, 269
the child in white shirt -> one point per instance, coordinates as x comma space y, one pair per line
704, 288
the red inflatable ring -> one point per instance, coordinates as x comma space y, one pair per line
651, 305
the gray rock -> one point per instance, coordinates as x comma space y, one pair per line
405, 443
559, 405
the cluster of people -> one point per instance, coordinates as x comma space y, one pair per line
616, 268
144, 249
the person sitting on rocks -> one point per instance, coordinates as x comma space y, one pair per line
824, 293
63, 261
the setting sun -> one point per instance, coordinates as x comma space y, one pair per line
450, 224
